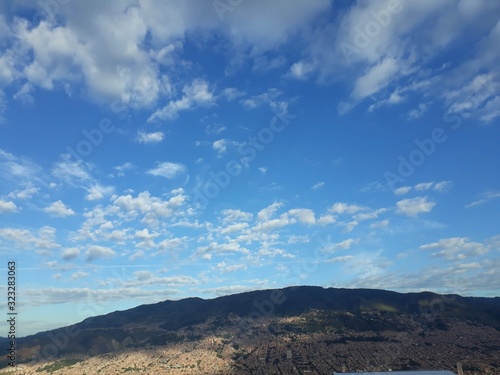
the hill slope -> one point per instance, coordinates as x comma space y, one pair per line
174, 321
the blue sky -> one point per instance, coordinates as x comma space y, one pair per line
161, 150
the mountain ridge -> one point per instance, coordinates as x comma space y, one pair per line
160, 323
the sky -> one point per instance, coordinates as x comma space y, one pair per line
154, 150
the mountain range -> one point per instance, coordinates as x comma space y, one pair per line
338, 311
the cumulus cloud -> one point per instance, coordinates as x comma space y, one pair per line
168, 170
233, 215
343, 245
214, 248
326, 219
79, 275
26, 193
96, 252
70, 253
7, 207
345, 208
304, 215
414, 206
456, 248
266, 213
58, 209
196, 94
440, 186
43, 240
97, 192
153, 208
220, 146
154, 137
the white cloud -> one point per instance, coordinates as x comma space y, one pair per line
266, 213
123, 168
173, 244
224, 268
267, 97
298, 239
51, 295
95, 252
233, 228
232, 93
232, 215
344, 258
206, 252
380, 224
318, 185
17, 169
345, 208
424, 186
111, 65
154, 137
442, 186
271, 224
168, 170
70, 253
58, 209
484, 197
343, 245
97, 192
7, 207
375, 79
197, 94
73, 172
43, 241
220, 146
402, 190
369, 215
326, 219
304, 215
301, 70
418, 112
414, 206
153, 208
79, 275
26, 193
479, 95
456, 248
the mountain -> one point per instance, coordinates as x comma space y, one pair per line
345, 313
